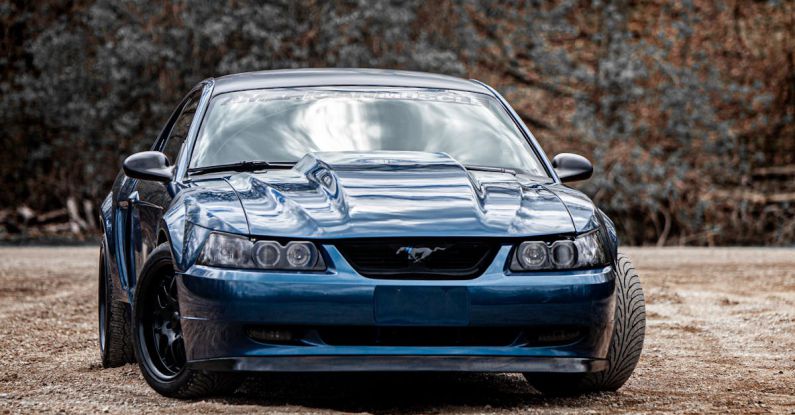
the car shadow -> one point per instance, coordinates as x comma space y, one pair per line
393, 392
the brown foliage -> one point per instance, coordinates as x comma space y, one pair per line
686, 108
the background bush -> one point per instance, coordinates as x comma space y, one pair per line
686, 108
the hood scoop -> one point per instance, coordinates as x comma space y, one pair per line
395, 194
377, 160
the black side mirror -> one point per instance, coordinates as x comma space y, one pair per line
572, 167
148, 165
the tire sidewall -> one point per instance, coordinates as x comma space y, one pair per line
621, 350
104, 300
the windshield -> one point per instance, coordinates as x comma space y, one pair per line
282, 125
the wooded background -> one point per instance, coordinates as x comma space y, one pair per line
686, 108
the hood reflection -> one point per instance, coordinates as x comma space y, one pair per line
387, 194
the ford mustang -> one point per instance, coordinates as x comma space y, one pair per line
359, 220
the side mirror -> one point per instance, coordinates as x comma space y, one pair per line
148, 165
572, 167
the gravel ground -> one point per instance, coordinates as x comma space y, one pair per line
720, 338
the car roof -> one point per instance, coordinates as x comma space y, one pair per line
293, 78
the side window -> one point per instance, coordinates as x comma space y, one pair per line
180, 128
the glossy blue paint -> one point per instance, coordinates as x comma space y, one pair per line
387, 194
583, 212
327, 197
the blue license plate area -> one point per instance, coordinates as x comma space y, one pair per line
421, 306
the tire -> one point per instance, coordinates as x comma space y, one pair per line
625, 345
115, 339
163, 365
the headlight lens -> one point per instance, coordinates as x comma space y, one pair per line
298, 254
233, 251
590, 251
222, 250
583, 252
533, 255
564, 254
267, 254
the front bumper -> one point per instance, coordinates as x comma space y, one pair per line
219, 306
403, 363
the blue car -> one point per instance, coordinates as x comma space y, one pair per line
359, 220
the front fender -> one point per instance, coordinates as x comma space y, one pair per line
610, 230
196, 212
585, 216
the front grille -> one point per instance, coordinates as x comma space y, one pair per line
420, 258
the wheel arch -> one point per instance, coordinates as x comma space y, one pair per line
108, 244
171, 230
106, 217
162, 236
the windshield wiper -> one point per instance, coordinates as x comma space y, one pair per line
476, 167
242, 166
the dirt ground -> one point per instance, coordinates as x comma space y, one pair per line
720, 338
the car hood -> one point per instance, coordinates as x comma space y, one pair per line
391, 194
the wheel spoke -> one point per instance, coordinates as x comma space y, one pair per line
174, 351
167, 350
172, 291
165, 299
160, 297
179, 351
161, 341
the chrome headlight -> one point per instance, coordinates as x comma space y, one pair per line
233, 251
584, 251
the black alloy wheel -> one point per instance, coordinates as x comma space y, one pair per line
158, 338
160, 329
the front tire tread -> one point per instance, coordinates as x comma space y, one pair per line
625, 345
118, 349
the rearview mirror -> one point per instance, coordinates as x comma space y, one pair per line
572, 167
148, 165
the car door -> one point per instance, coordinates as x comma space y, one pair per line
143, 202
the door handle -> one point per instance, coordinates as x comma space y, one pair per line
131, 199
